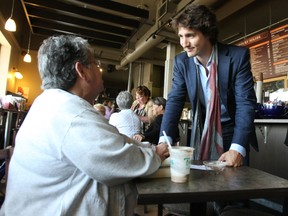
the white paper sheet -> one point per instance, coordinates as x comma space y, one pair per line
200, 167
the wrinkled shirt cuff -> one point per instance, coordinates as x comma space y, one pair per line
238, 148
162, 139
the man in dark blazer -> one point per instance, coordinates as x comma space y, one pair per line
197, 30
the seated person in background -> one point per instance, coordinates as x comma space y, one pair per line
152, 133
100, 108
68, 160
142, 106
109, 108
126, 121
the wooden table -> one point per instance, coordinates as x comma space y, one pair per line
203, 186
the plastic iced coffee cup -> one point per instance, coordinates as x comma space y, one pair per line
180, 162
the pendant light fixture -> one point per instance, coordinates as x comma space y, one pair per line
17, 73
27, 57
10, 24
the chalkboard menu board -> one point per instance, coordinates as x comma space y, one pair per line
269, 52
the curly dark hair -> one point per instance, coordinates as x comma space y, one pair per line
198, 17
143, 91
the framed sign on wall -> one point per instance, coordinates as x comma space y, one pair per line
274, 84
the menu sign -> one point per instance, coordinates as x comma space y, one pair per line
269, 52
279, 42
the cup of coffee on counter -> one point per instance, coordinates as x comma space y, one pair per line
180, 162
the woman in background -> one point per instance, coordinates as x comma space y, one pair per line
100, 108
109, 108
142, 106
152, 133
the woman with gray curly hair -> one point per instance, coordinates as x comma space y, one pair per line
126, 121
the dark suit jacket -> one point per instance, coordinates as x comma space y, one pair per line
236, 89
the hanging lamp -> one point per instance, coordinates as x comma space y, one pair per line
27, 57
17, 73
10, 24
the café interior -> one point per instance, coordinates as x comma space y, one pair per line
135, 44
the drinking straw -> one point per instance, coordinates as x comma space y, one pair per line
165, 135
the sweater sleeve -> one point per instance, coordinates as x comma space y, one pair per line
104, 154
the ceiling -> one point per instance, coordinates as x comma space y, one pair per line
124, 31
110, 26
120, 31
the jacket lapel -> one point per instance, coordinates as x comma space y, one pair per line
192, 80
223, 73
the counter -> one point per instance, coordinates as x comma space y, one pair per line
272, 121
273, 152
263, 125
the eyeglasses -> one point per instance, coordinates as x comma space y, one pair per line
96, 62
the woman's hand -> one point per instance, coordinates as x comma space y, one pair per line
138, 137
144, 119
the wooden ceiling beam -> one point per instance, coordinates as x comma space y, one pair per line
92, 41
45, 24
43, 14
121, 8
81, 12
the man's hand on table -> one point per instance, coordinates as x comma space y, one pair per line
232, 158
162, 151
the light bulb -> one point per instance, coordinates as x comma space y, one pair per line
18, 75
27, 58
10, 25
